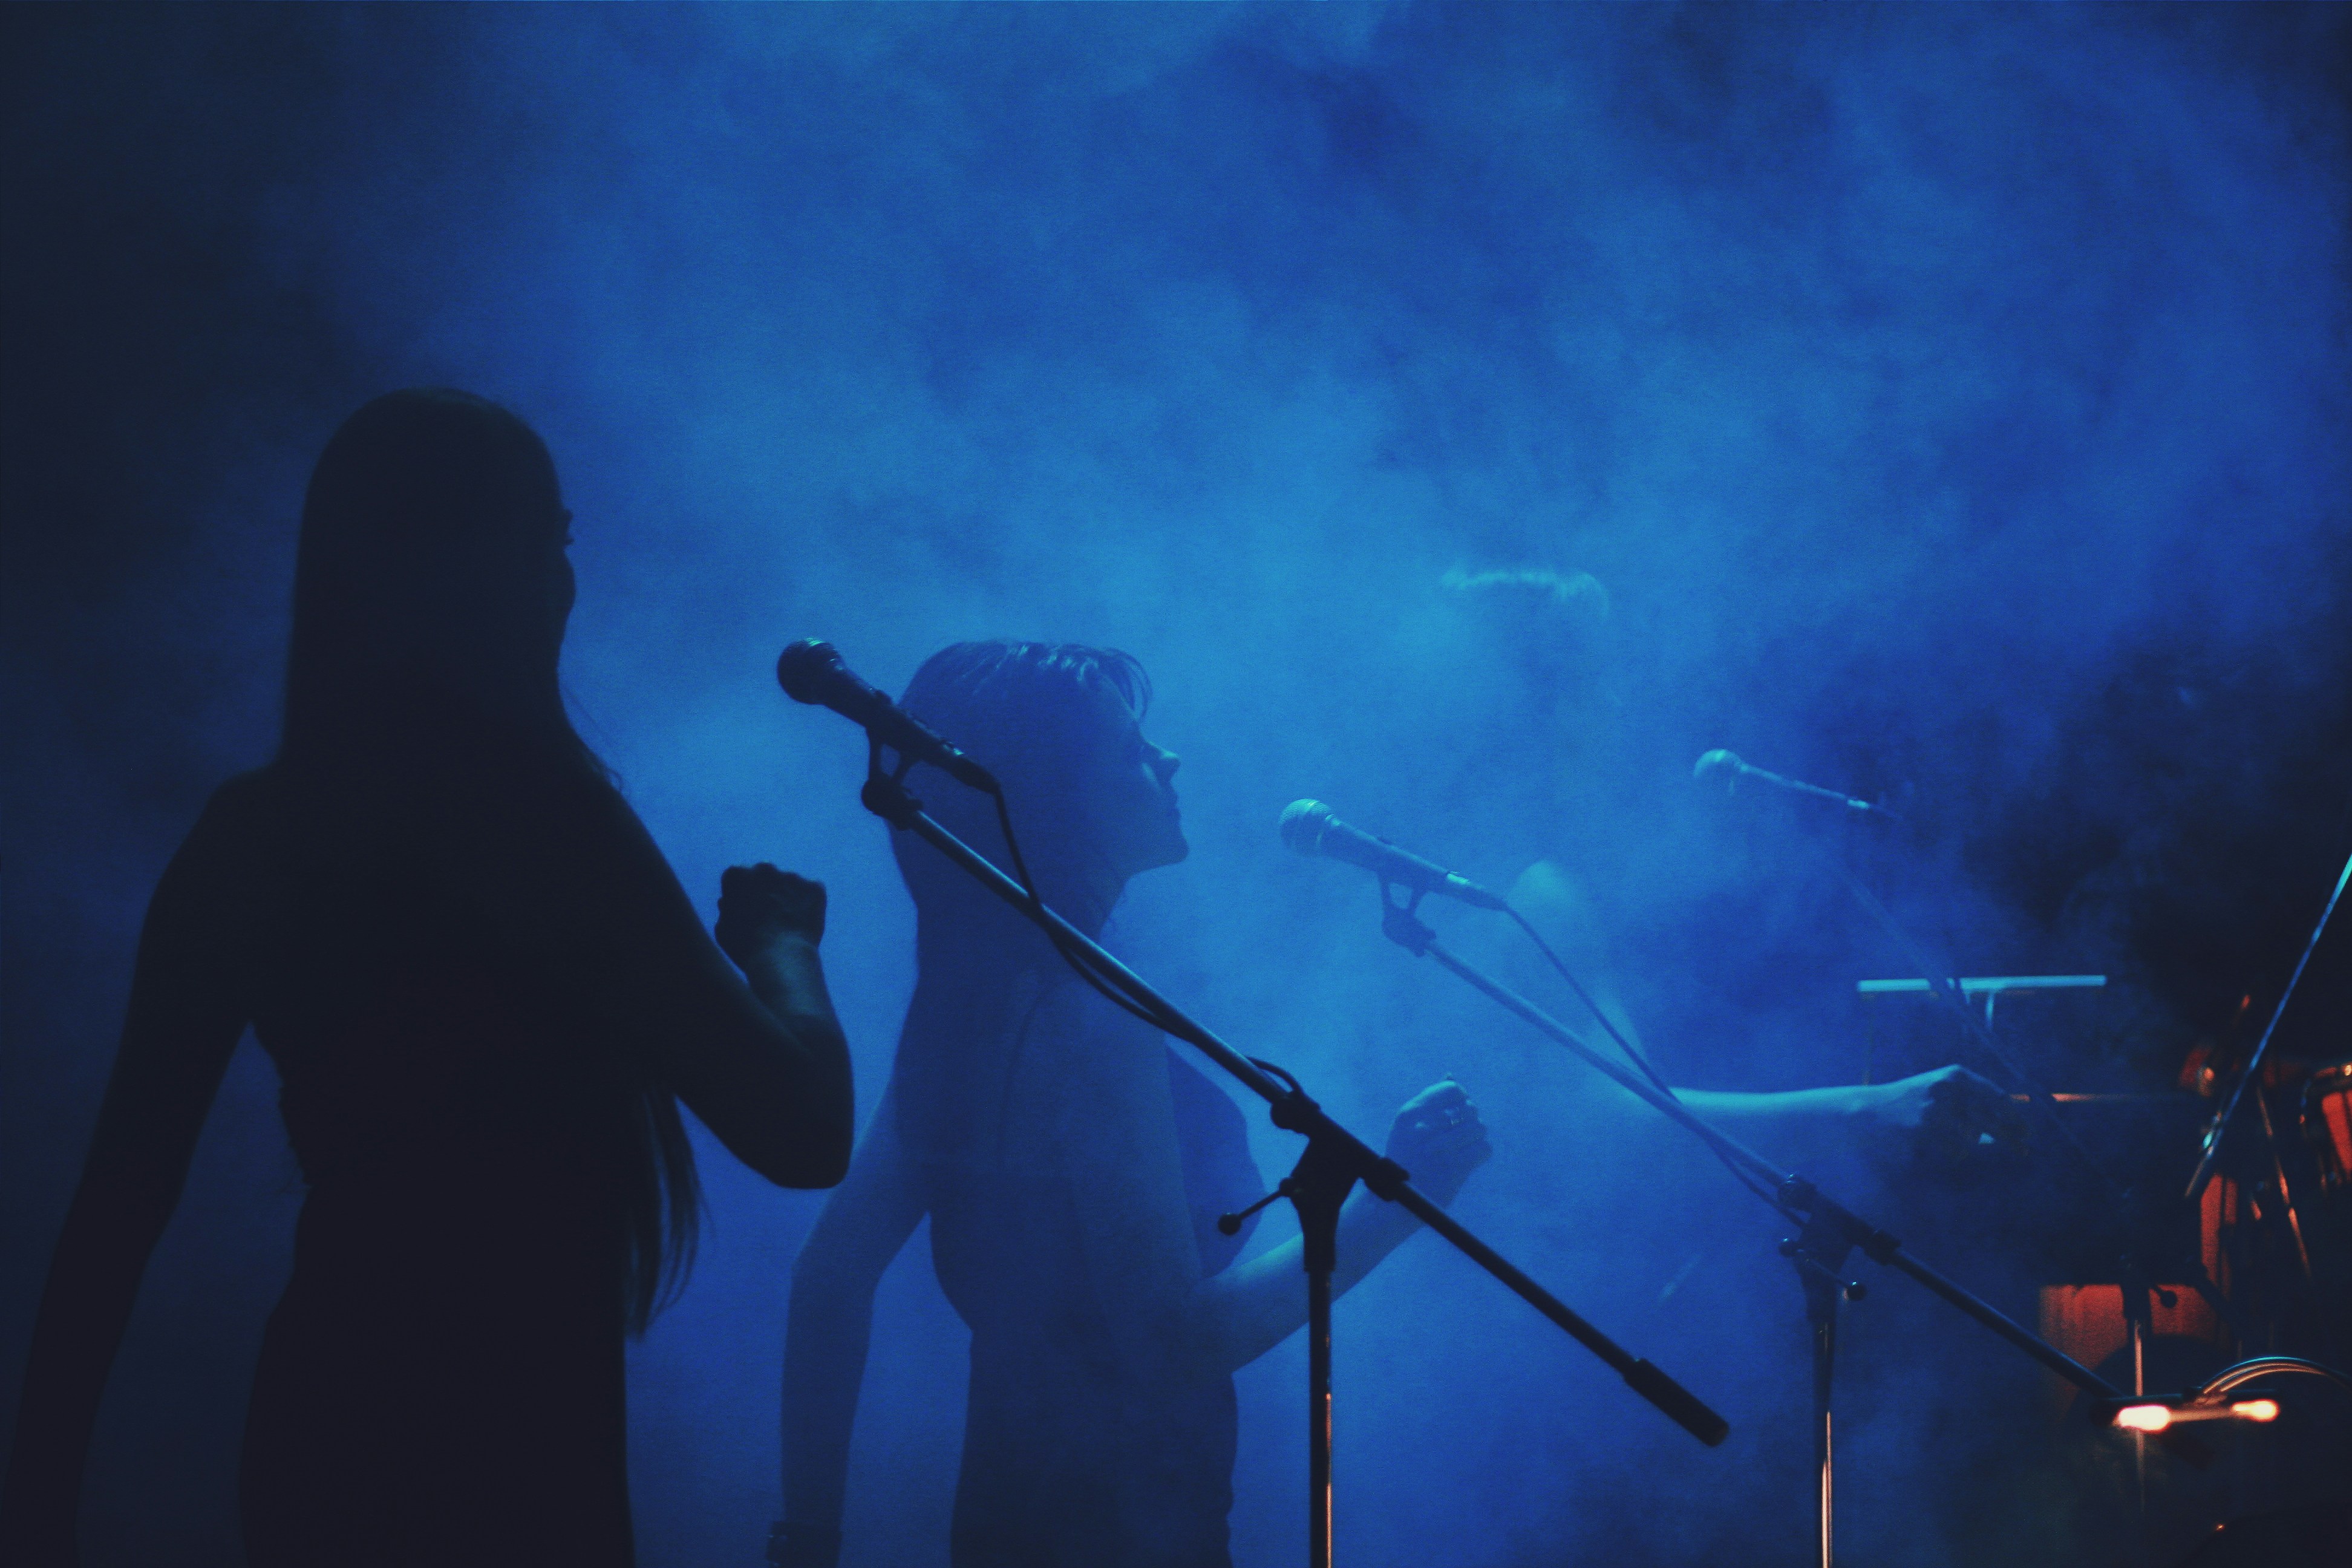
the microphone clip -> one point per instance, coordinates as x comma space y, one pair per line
1401, 922
884, 792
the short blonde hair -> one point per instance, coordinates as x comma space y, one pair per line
1581, 598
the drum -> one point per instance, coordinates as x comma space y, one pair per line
2328, 1123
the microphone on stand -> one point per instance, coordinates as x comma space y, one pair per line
1725, 768
812, 672
1308, 827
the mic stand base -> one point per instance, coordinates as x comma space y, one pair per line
1823, 1318
1819, 1252
1318, 1188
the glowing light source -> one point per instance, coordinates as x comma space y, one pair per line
2158, 1417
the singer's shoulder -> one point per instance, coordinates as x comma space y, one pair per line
241, 808
227, 861
248, 807
1557, 902
1550, 887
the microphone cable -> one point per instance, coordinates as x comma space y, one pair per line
1028, 885
1634, 1055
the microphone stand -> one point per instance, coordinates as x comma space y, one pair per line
1829, 1231
2137, 1283
2210, 1147
1335, 1160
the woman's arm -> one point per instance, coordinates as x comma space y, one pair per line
1255, 1305
1944, 1112
1101, 1085
801, 1123
186, 1012
1940, 1111
865, 1223
763, 1063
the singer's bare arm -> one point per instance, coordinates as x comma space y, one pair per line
1094, 1088
1438, 1137
1945, 1107
757, 1056
188, 1006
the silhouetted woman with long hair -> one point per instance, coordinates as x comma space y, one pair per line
485, 993
1072, 1166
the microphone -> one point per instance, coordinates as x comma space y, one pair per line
1308, 827
812, 672
1726, 768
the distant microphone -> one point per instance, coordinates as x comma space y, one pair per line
812, 672
1308, 827
1725, 768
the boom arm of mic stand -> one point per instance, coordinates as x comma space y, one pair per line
891, 801
1791, 1193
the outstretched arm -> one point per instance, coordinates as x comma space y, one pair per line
1944, 1111
186, 1015
865, 1223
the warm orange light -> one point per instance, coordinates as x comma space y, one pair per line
2159, 1417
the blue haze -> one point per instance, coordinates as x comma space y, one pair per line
1911, 377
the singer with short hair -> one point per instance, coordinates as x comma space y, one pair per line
485, 993
1072, 1164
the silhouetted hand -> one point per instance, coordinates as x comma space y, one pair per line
760, 906
1945, 1114
1438, 1137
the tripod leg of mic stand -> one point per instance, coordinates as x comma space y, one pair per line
1819, 1252
1824, 1362
1318, 1185
2138, 1313
1318, 1418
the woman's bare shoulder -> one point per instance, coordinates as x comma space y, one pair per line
1560, 904
213, 899
244, 815
241, 800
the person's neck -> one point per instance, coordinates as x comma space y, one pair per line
963, 923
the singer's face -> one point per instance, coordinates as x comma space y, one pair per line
563, 587
1128, 794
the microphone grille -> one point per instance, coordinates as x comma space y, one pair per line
1719, 762
1302, 825
801, 668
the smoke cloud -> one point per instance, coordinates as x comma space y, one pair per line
1944, 403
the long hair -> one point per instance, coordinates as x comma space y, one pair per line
1028, 712
424, 707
